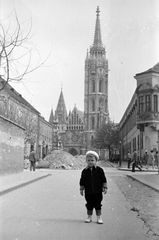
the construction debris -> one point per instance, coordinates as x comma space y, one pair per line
60, 159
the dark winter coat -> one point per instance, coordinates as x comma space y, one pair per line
93, 180
32, 156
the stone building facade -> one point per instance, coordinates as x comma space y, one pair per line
25, 128
68, 128
76, 130
96, 86
139, 126
11, 146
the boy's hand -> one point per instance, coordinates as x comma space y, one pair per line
81, 192
104, 190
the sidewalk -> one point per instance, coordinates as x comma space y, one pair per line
10, 182
148, 177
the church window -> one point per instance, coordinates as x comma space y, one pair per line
100, 85
92, 123
155, 103
141, 104
100, 104
93, 105
92, 141
93, 86
148, 103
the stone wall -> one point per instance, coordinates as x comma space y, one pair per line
11, 147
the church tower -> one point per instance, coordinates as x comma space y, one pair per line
96, 86
61, 113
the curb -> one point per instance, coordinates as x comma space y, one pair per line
137, 170
22, 185
146, 184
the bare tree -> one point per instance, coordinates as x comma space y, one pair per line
107, 136
16, 51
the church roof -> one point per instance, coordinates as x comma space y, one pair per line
97, 43
61, 112
51, 119
97, 34
61, 103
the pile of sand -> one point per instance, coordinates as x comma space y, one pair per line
59, 159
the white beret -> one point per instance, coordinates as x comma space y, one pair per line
92, 153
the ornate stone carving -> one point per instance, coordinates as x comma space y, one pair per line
144, 115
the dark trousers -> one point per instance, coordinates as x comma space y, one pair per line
129, 162
32, 165
93, 201
135, 165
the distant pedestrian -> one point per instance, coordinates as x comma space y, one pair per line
93, 184
152, 159
32, 159
145, 158
139, 161
136, 161
156, 159
129, 159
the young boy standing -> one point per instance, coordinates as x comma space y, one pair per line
93, 183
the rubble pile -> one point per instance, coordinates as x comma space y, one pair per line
59, 159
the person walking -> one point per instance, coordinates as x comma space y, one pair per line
139, 161
135, 161
129, 159
93, 184
152, 159
146, 158
32, 159
156, 159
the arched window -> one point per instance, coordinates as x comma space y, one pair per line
92, 123
101, 104
100, 85
92, 141
93, 105
93, 86
155, 103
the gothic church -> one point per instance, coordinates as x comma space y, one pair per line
76, 130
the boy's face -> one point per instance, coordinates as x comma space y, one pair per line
91, 160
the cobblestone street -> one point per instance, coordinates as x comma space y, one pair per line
143, 200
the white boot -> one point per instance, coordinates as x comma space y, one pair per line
99, 219
89, 219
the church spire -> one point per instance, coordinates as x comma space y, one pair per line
97, 34
51, 119
61, 112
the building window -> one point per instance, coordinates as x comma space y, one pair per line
141, 104
138, 142
92, 123
134, 144
155, 103
141, 139
93, 86
100, 85
93, 105
148, 103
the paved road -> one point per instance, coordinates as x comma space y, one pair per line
52, 209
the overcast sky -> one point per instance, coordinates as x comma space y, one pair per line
64, 30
